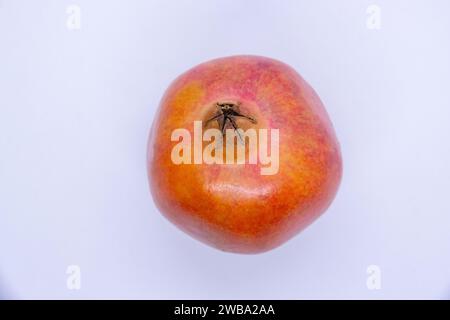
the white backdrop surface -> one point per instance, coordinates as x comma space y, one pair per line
76, 105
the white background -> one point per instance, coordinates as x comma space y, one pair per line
76, 107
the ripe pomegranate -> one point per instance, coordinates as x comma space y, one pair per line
256, 196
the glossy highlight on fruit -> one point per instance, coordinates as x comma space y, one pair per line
233, 207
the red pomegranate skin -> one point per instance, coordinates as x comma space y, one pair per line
234, 207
